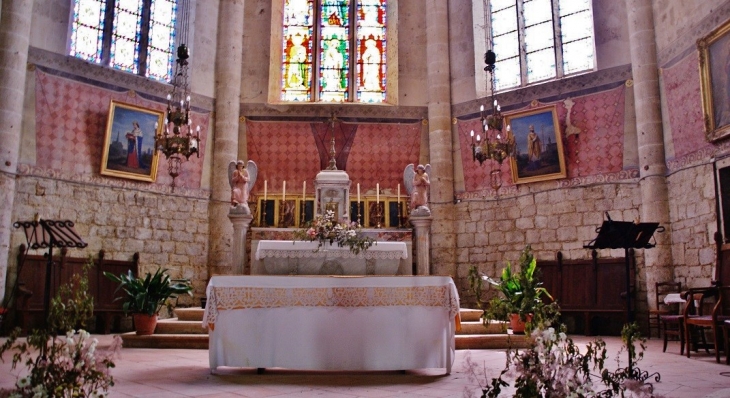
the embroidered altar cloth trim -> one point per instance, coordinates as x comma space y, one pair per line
304, 249
224, 298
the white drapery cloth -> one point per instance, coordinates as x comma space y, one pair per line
304, 249
332, 323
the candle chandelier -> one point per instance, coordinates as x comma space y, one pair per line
497, 144
177, 138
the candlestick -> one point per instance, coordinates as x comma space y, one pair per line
304, 190
377, 192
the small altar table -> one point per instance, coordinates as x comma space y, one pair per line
287, 257
332, 323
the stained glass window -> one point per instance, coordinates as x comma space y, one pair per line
334, 51
86, 31
136, 36
532, 46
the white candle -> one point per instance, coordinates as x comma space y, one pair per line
304, 190
266, 184
399, 194
377, 193
283, 192
358, 194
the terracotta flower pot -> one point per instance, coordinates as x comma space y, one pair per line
144, 324
516, 324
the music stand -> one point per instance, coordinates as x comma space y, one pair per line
41, 234
625, 235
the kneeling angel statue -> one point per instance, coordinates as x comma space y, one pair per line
241, 177
415, 179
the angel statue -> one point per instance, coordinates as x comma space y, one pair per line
242, 177
416, 182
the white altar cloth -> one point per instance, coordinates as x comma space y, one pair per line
332, 323
287, 257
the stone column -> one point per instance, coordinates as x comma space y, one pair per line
15, 18
650, 140
439, 138
423, 244
229, 59
241, 221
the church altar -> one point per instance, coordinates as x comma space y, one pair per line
332, 323
283, 257
273, 252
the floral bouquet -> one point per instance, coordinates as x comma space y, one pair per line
325, 229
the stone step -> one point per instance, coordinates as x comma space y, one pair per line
491, 341
478, 327
200, 341
176, 326
196, 314
191, 341
190, 314
470, 315
186, 331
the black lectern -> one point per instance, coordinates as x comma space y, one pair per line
625, 235
42, 234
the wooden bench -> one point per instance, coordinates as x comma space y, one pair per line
590, 290
31, 285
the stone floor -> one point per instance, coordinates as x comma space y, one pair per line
185, 373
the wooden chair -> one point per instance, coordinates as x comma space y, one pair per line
673, 325
661, 308
714, 321
725, 333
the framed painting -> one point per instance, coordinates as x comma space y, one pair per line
714, 55
538, 145
129, 142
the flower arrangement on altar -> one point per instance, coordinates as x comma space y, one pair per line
325, 229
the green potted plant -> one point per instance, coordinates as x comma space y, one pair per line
521, 295
146, 296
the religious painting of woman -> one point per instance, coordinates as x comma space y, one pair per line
129, 150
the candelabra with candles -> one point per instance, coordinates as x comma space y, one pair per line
177, 138
497, 145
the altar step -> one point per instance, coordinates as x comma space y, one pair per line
186, 331
475, 336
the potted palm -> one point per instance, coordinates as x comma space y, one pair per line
146, 296
521, 296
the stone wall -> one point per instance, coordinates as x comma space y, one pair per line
492, 231
690, 157
168, 230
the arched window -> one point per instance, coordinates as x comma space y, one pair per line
537, 40
136, 36
333, 51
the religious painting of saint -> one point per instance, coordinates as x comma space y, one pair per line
129, 142
538, 145
714, 52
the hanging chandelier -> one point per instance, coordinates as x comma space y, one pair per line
177, 139
497, 145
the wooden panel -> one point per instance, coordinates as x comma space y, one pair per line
611, 277
578, 286
32, 277
590, 295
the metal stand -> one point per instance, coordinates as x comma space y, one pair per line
626, 235
42, 234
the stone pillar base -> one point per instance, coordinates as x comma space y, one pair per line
241, 222
423, 243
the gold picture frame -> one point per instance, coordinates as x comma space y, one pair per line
714, 57
538, 156
129, 142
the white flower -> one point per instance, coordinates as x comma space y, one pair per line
24, 382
